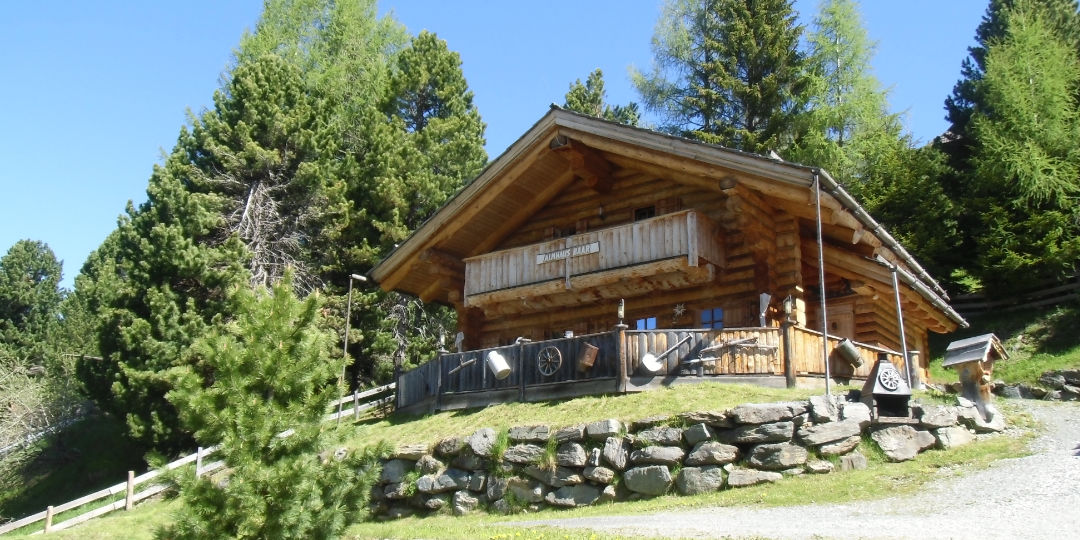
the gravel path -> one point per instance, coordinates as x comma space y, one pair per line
1037, 496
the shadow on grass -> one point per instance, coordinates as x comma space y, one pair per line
87, 456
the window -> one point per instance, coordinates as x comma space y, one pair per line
646, 324
712, 318
644, 213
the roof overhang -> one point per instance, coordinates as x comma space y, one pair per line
529, 170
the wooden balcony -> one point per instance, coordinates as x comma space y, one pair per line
668, 252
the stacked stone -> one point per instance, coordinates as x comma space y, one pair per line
689, 453
1058, 385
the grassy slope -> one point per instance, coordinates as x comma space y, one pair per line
87, 456
880, 480
1037, 340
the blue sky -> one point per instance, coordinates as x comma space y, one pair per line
95, 91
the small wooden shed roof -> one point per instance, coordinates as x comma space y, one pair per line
530, 173
974, 349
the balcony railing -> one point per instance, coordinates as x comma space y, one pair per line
685, 234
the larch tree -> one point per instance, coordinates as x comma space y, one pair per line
1026, 160
591, 99
727, 72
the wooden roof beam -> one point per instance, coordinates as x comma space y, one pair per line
585, 163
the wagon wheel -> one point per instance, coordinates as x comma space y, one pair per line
548, 361
889, 379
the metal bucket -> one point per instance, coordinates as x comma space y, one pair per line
587, 356
850, 353
498, 365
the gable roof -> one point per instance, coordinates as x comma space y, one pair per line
529, 174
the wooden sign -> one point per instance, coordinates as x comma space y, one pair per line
562, 254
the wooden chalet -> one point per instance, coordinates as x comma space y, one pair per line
714, 254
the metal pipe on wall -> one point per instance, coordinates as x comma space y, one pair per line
821, 282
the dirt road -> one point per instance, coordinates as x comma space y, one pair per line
1037, 496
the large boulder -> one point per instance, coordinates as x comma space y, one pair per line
570, 434
819, 434
855, 411
571, 454
776, 457
903, 442
481, 441
411, 452
840, 447
937, 416
394, 471
660, 436
953, 436
697, 480
529, 491
464, 503
616, 453
523, 454
600, 475
429, 465
649, 480
824, 409
765, 413
714, 419
450, 447
739, 477
658, 455
758, 433
697, 433
530, 434
712, 453
579, 495
603, 429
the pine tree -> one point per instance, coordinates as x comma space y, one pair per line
30, 299
260, 386
158, 281
727, 72
591, 99
265, 151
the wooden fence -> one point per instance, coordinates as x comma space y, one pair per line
131, 497
1047, 293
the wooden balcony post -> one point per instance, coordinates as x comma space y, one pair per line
787, 338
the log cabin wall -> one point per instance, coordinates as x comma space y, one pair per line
746, 237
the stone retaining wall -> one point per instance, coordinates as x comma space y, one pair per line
1059, 385
688, 453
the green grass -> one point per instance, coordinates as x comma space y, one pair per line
402, 429
1037, 340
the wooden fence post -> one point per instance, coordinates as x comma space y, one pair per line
129, 496
198, 461
48, 519
356, 404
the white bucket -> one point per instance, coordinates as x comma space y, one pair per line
498, 365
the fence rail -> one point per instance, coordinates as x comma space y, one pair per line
128, 488
1043, 294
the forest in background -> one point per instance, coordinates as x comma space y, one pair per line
335, 134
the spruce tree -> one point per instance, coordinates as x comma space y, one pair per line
259, 384
591, 99
727, 72
30, 299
